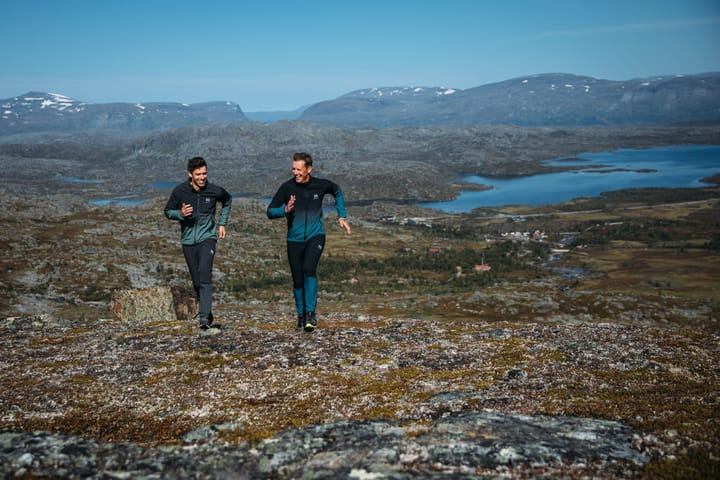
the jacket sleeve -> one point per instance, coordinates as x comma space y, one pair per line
226, 201
172, 208
276, 209
339, 201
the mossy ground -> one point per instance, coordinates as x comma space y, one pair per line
398, 326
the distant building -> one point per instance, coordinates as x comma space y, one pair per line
417, 221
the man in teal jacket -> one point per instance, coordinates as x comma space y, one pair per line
300, 201
193, 203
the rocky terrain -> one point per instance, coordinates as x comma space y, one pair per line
363, 397
588, 349
404, 165
600, 362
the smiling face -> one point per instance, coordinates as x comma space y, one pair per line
300, 171
198, 178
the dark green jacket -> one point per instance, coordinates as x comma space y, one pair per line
199, 226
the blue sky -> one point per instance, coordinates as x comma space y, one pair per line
280, 55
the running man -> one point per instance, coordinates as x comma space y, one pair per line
300, 201
193, 204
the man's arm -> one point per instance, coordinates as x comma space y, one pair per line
226, 201
340, 208
173, 208
339, 201
277, 207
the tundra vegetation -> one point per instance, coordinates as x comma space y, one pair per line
605, 308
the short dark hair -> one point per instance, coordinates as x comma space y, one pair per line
303, 157
195, 163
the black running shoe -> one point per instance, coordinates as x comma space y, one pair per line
310, 322
300, 320
204, 323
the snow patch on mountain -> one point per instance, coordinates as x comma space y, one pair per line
379, 92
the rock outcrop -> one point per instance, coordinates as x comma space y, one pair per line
154, 303
467, 445
362, 397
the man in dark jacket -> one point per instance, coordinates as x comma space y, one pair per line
193, 204
300, 201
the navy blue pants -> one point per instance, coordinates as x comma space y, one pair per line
199, 259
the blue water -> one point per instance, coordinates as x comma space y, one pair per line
76, 180
110, 201
165, 185
123, 201
672, 167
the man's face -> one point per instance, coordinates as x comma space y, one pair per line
198, 178
301, 172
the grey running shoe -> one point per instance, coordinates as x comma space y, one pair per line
310, 322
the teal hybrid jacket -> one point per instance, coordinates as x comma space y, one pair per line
199, 226
306, 220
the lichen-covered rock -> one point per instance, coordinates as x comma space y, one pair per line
463, 445
153, 303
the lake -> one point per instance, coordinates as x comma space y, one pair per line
125, 200
670, 167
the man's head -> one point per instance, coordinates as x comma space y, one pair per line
197, 171
301, 167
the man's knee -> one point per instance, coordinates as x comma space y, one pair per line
204, 274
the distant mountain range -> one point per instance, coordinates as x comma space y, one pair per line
275, 115
49, 112
535, 100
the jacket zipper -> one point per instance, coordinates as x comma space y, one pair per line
197, 216
307, 207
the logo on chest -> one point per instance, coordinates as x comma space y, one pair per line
316, 196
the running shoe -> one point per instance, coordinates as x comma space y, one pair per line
310, 321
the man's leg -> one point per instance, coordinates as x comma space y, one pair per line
191, 259
313, 251
205, 258
295, 256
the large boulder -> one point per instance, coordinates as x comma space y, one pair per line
154, 303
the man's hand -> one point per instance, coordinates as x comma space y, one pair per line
186, 210
221, 231
344, 224
290, 204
